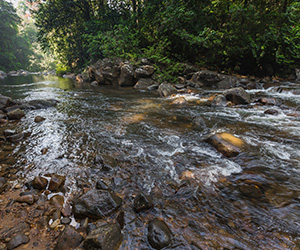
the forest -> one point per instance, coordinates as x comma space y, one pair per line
241, 36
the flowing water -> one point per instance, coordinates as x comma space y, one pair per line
148, 144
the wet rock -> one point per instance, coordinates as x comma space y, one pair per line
199, 122
237, 96
159, 234
65, 221
121, 219
144, 72
57, 201
142, 202
18, 137
101, 185
180, 85
66, 210
227, 144
251, 85
56, 182
40, 104
22, 227
29, 199
40, 183
17, 240
16, 114
179, 101
127, 76
39, 119
219, 101
56, 215
166, 89
3, 115
96, 204
251, 190
271, 112
68, 239
106, 237
5, 101
3, 184
144, 83
267, 101
226, 83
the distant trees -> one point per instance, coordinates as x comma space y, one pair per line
246, 36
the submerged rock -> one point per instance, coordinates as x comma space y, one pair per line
16, 114
68, 239
142, 202
159, 234
237, 96
96, 204
219, 101
17, 240
227, 144
18, 137
107, 237
166, 89
39, 104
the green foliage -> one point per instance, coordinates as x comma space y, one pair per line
62, 69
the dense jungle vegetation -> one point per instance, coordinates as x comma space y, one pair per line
243, 36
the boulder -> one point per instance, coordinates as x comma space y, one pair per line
68, 239
159, 234
16, 114
237, 96
40, 183
166, 89
3, 184
227, 144
126, 78
219, 101
142, 202
144, 71
106, 237
206, 78
145, 83
17, 240
96, 204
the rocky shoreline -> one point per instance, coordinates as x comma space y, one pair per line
38, 215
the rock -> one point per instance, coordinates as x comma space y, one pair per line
144, 83
94, 83
5, 101
17, 240
206, 78
40, 104
101, 185
267, 101
21, 227
144, 72
55, 223
18, 137
227, 144
2, 75
226, 83
16, 114
65, 221
80, 78
29, 199
179, 101
237, 96
56, 182
127, 76
39, 119
57, 201
40, 183
251, 85
3, 184
199, 122
159, 234
96, 204
219, 101
166, 89
142, 202
271, 112
107, 237
68, 239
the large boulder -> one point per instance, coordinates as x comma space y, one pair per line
106, 237
144, 71
227, 144
68, 239
127, 76
145, 83
237, 96
166, 89
159, 234
206, 78
96, 204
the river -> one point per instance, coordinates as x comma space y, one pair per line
148, 144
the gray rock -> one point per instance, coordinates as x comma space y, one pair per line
107, 237
22, 227
127, 76
142, 202
219, 101
3, 184
18, 137
159, 234
237, 96
144, 71
206, 78
166, 89
17, 240
42, 104
101, 185
68, 239
144, 83
96, 204
16, 114
5, 101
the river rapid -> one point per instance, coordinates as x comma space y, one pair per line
148, 144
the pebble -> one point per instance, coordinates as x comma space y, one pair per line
55, 224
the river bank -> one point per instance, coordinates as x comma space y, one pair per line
157, 164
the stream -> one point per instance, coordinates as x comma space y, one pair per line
148, 144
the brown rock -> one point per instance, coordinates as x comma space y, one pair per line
179, 101
57, 201
39, 119
237, 96
29, 199
40, 183
16, 114
56, 182
271, 112
68, 239
17, 240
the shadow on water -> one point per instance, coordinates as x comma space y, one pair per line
249, 201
